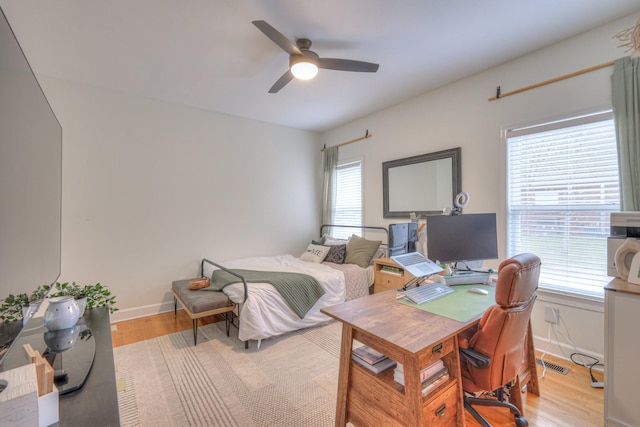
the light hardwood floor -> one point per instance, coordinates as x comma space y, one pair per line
565, 400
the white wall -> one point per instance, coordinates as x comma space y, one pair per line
459, 115
150, 188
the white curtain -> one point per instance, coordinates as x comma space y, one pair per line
626, 110
330, 163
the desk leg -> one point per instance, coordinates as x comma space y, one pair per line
528, 377
413, 391
343, 375
532, 386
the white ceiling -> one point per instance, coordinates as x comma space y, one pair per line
207, 54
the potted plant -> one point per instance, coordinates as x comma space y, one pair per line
88, 296
73, 290
22, 306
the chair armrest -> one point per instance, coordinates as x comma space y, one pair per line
465, 336
477, 359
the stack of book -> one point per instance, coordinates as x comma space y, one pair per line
391, 270
371, 359
430, 377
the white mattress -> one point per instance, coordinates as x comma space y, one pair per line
265, 313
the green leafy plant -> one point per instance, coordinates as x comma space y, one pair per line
40, 293
97, 295
11, 307
66, 288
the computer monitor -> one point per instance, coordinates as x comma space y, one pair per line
459, 238
402, 238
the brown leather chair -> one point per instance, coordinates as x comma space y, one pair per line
493, 356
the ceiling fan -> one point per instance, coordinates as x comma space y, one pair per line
304, 63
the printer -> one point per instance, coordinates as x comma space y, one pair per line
623, 225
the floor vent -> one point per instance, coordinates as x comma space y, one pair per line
553, 366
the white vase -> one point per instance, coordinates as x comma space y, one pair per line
62, 313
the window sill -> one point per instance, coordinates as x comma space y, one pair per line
572, 299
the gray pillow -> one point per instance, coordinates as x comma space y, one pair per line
336, 252
360, 251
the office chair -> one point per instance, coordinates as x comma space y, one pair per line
493, 355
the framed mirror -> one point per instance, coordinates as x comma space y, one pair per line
423, 184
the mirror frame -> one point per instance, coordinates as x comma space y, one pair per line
456, 178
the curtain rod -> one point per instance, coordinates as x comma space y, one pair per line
366, 135
546, 82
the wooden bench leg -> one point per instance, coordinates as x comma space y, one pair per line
175, 306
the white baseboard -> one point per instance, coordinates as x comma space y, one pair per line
563, 350
143, 311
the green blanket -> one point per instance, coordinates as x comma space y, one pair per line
300, 291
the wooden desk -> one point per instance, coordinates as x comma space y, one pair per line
409, 336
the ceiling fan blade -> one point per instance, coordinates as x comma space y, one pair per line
282, 81
277, 37
347, 65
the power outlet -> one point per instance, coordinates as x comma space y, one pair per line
552, 315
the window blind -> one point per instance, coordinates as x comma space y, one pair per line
348, 205
562, 185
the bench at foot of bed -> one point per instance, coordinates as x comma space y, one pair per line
199, 304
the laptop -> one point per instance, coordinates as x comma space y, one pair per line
417, 264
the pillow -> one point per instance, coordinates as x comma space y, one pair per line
336, 252
315, 253
380, 253
332, 242
360, 251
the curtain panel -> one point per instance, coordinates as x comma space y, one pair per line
626, 110
329, 165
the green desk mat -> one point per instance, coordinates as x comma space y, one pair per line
461, 305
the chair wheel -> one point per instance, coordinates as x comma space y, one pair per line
521, 421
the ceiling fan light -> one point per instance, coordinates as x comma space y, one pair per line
303, 68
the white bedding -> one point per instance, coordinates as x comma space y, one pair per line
265, 313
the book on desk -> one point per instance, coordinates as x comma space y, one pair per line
394, 271
372, 360
430, 377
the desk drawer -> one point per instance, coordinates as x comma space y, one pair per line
388, 281
437, 351
442, 409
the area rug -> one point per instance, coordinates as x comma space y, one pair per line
290, 381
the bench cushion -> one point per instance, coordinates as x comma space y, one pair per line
199, 301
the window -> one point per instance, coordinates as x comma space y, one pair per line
348, 204
562, 185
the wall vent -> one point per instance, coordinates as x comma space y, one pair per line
563, 370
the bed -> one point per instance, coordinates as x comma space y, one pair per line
264, 313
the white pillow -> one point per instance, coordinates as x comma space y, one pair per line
315, 253
333, 242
